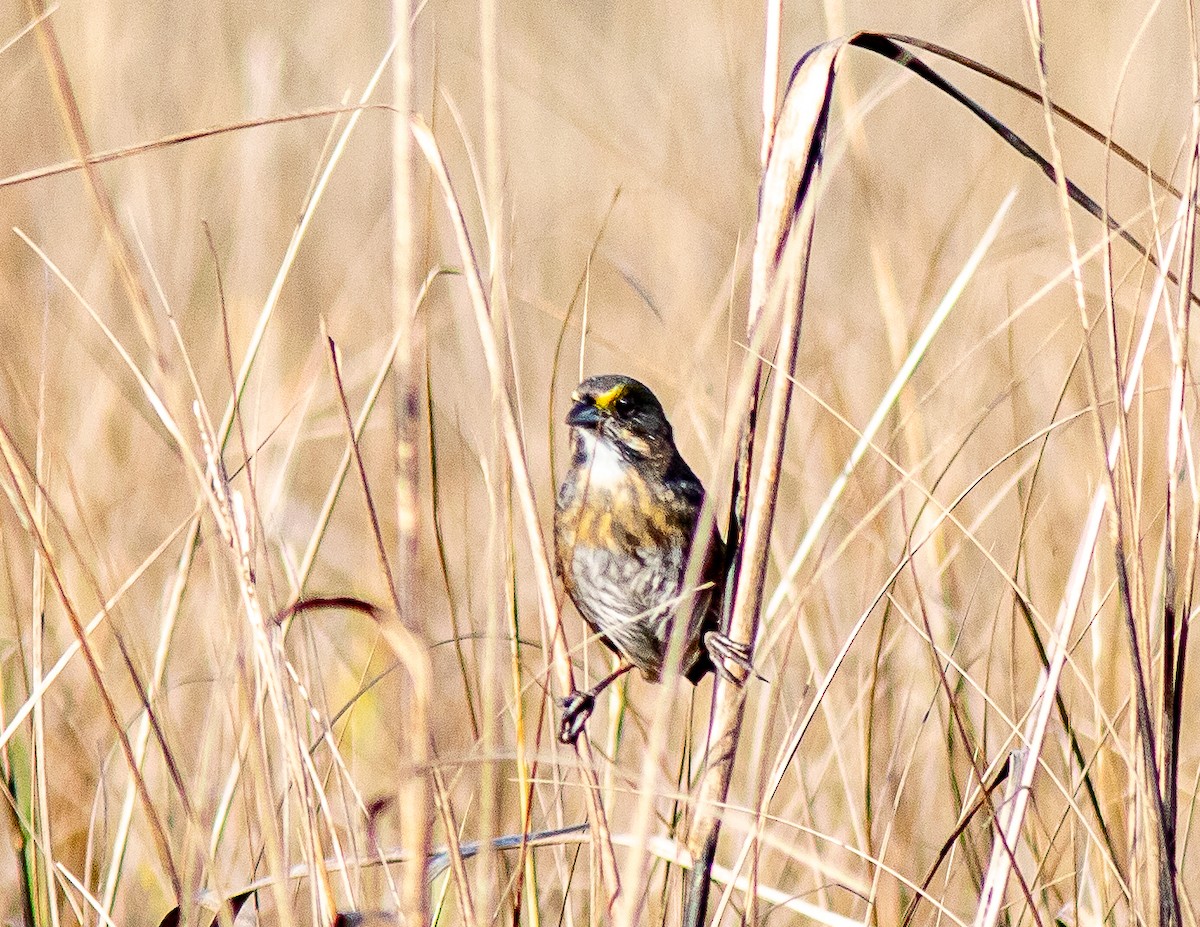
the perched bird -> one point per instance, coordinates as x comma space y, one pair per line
624, 526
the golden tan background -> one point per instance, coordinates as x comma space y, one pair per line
660, 103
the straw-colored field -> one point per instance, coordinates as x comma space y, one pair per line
606, 158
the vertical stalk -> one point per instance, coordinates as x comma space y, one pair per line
783, 239
414, 791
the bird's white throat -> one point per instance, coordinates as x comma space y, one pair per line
604, 466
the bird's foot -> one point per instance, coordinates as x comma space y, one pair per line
720, 648
577, 708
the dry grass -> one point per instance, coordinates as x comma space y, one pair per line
989, 467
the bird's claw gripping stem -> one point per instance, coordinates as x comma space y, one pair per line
577, 708
721, 648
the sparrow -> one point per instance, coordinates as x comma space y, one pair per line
625, 521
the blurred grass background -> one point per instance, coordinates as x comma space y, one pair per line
659, 108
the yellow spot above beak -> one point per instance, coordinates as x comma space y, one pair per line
604, 400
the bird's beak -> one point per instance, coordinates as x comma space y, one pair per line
583, 414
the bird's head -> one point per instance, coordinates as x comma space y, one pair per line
618, 414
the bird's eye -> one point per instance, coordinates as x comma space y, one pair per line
623, 405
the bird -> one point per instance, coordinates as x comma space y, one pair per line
625, 520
